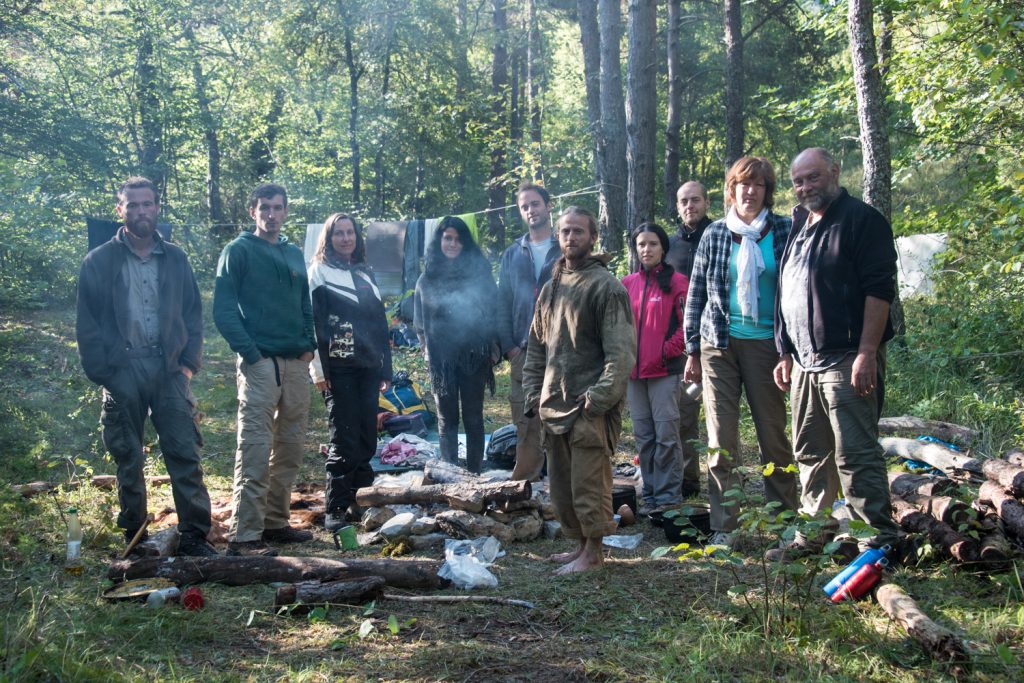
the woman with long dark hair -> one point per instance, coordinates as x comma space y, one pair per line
352, 362
657, 294
454, 319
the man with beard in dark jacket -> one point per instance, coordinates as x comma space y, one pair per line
837, 279
140, 336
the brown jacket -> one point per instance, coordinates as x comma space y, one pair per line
582, 341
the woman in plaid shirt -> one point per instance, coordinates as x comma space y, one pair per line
729, 327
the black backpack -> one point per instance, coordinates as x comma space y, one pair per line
501, 449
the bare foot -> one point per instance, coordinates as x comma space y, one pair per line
584, 562
566, 557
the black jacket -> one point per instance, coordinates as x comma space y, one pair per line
682, 247
101, 327
853, 256
517, 291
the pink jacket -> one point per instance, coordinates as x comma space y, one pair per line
659, 328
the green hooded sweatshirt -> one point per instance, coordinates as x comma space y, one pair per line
261, 299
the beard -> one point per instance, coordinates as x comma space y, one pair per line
821, 200
141, 227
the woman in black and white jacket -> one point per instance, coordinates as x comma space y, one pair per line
352, 363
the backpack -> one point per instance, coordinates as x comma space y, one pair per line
405, 397
501, 449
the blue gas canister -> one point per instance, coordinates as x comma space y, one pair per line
869, 556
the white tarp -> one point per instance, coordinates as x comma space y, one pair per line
917, 262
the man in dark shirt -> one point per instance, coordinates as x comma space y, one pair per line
140, 337
837, 279
692, 205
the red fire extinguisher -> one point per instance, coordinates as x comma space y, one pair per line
858, 585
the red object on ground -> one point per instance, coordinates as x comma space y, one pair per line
858, 585
192, 599
636, 459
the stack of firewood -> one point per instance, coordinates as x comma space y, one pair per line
451, 502
933, 505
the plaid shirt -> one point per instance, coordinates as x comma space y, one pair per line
707, 301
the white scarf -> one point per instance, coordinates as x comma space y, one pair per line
749, 261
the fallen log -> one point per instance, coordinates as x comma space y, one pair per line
996, 551
163, 543
908, 424
962, 548
936, 455
469, 497
920, 484
943, 508
941, 643
306, 595
462, 524
1009, 509
1007, 475
244, 571
1015, 456
441, 472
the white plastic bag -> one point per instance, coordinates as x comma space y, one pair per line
466, 562
624, 542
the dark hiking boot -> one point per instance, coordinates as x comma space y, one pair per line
193, 546
287, 534
335, 519
250, 549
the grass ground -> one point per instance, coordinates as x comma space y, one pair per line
636, 619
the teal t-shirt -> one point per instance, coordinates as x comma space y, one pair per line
743, 327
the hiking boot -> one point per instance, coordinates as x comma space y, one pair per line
196, 547
789, 552
287, 534
250, 549
354, 513
335, 519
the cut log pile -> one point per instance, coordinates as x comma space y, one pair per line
974, 533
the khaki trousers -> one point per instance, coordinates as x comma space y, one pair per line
273, 409
746, 365
835, 434
529, 441
580, 474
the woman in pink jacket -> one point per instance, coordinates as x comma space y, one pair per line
657, 294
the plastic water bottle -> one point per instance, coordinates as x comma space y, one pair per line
161, 597
869, 556
73, 564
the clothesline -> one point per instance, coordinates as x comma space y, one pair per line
593, 189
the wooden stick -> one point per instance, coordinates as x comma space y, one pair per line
936, 455
306, 595
908, 424
922, 484
465, 496
1007, 507
138, 536
938, 641
1007, 475
963, 548
459, 598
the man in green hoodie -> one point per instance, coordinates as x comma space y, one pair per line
261, 306
581, 351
